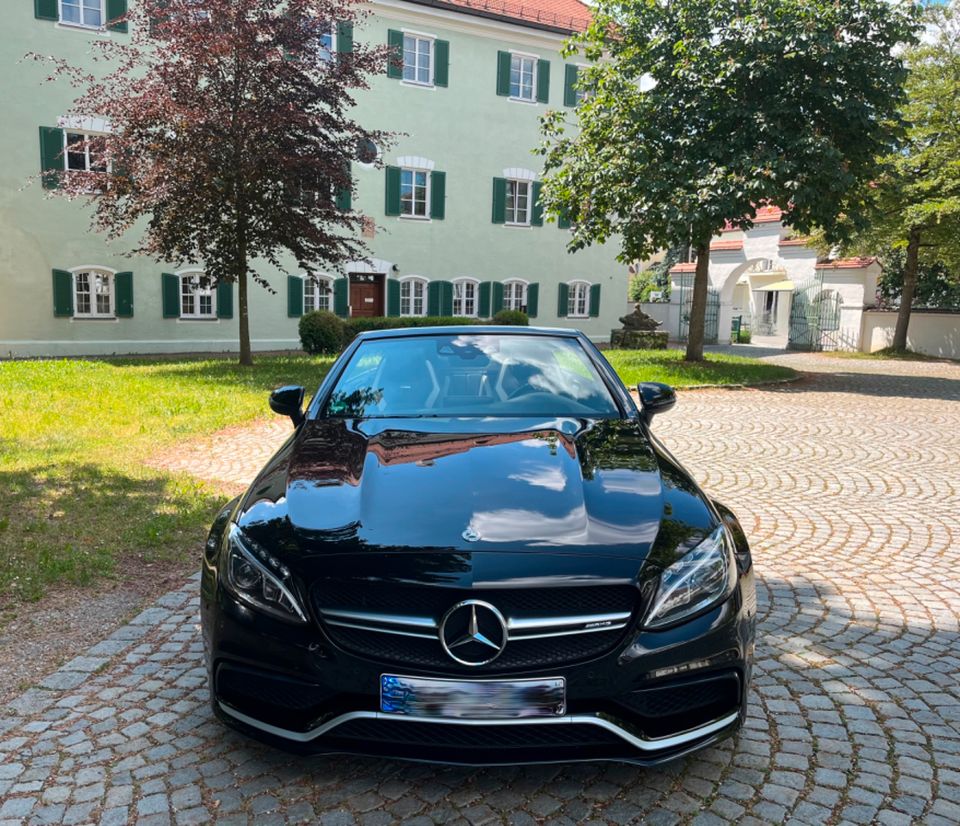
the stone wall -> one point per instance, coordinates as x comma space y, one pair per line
933, 333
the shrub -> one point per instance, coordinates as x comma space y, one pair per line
513, 318
321, 333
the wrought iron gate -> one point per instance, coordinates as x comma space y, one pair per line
814, 317
711, 318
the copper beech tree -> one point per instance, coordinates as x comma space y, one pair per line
228, 136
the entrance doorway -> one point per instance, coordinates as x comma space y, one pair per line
366, 294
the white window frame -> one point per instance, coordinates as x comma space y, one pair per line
410, 281
94, 313
528, 211
573, 298
414, 170
87, 136
431, 58
512, 303
313, 303
522, 56
462, 282
82, 4
328, 55
196, 315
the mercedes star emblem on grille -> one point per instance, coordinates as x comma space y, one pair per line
473, 632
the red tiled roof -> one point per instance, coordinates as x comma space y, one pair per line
691, 267
559, 15
846, 263
765, 215
720, 246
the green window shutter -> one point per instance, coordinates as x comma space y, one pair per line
171, 295
497, 299
543, 81
46, 10
62, 294
392, 206
483, 300
438, 195
344, 37
225, 299
341, 297
294, 296
533, 294
594, 300
569, 85
51, 156
393, 297
503, 74
563, 219
446, 298
563, 299
536, 214
499, 200
434, 288
395, 62
115, 10
441, 62
344, 196
123, 290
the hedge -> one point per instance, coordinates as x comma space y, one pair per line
354, 326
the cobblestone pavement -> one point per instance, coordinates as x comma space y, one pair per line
848, 486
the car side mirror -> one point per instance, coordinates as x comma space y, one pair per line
655, 397
288, 401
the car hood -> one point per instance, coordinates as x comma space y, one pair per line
562, 486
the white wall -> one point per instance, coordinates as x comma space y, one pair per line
934, 334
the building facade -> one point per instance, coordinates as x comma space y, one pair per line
454, 226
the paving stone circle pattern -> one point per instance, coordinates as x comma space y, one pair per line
847, 483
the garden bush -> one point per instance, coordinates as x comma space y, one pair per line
353, 326
513, 318
321, 333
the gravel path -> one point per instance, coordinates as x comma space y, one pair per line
848, 486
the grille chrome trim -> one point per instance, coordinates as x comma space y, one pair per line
525, 628
641, 743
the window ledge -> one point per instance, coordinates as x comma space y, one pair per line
416, 84
533, 102
418, 218
101, 31
94, 318
182, 320
517, 226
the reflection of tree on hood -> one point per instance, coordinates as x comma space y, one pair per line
613, 445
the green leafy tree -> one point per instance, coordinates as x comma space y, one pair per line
698, 111
937, 285
914, 204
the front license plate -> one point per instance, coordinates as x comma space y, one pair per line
472, 699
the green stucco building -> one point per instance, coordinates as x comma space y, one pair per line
453, 223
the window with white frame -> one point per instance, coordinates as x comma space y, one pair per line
93, 294
198, 296
515, 295
465, 297
82, 13
414, 193
578, 299
523, 77
328, 44
413, 297
317, 295
84, 152
418, 59
518, 202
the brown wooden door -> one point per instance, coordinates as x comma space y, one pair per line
366, 295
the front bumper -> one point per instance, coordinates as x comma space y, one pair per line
656, 698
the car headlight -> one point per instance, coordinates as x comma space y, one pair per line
702, 577
259, 578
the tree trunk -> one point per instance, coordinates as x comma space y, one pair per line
909, 289
698, 307
246, 355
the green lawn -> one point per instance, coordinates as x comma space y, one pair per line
668, 366
77, 498
78, 503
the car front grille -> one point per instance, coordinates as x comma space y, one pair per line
547, 627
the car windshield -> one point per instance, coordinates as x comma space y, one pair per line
470, 375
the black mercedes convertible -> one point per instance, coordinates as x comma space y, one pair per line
472, 549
